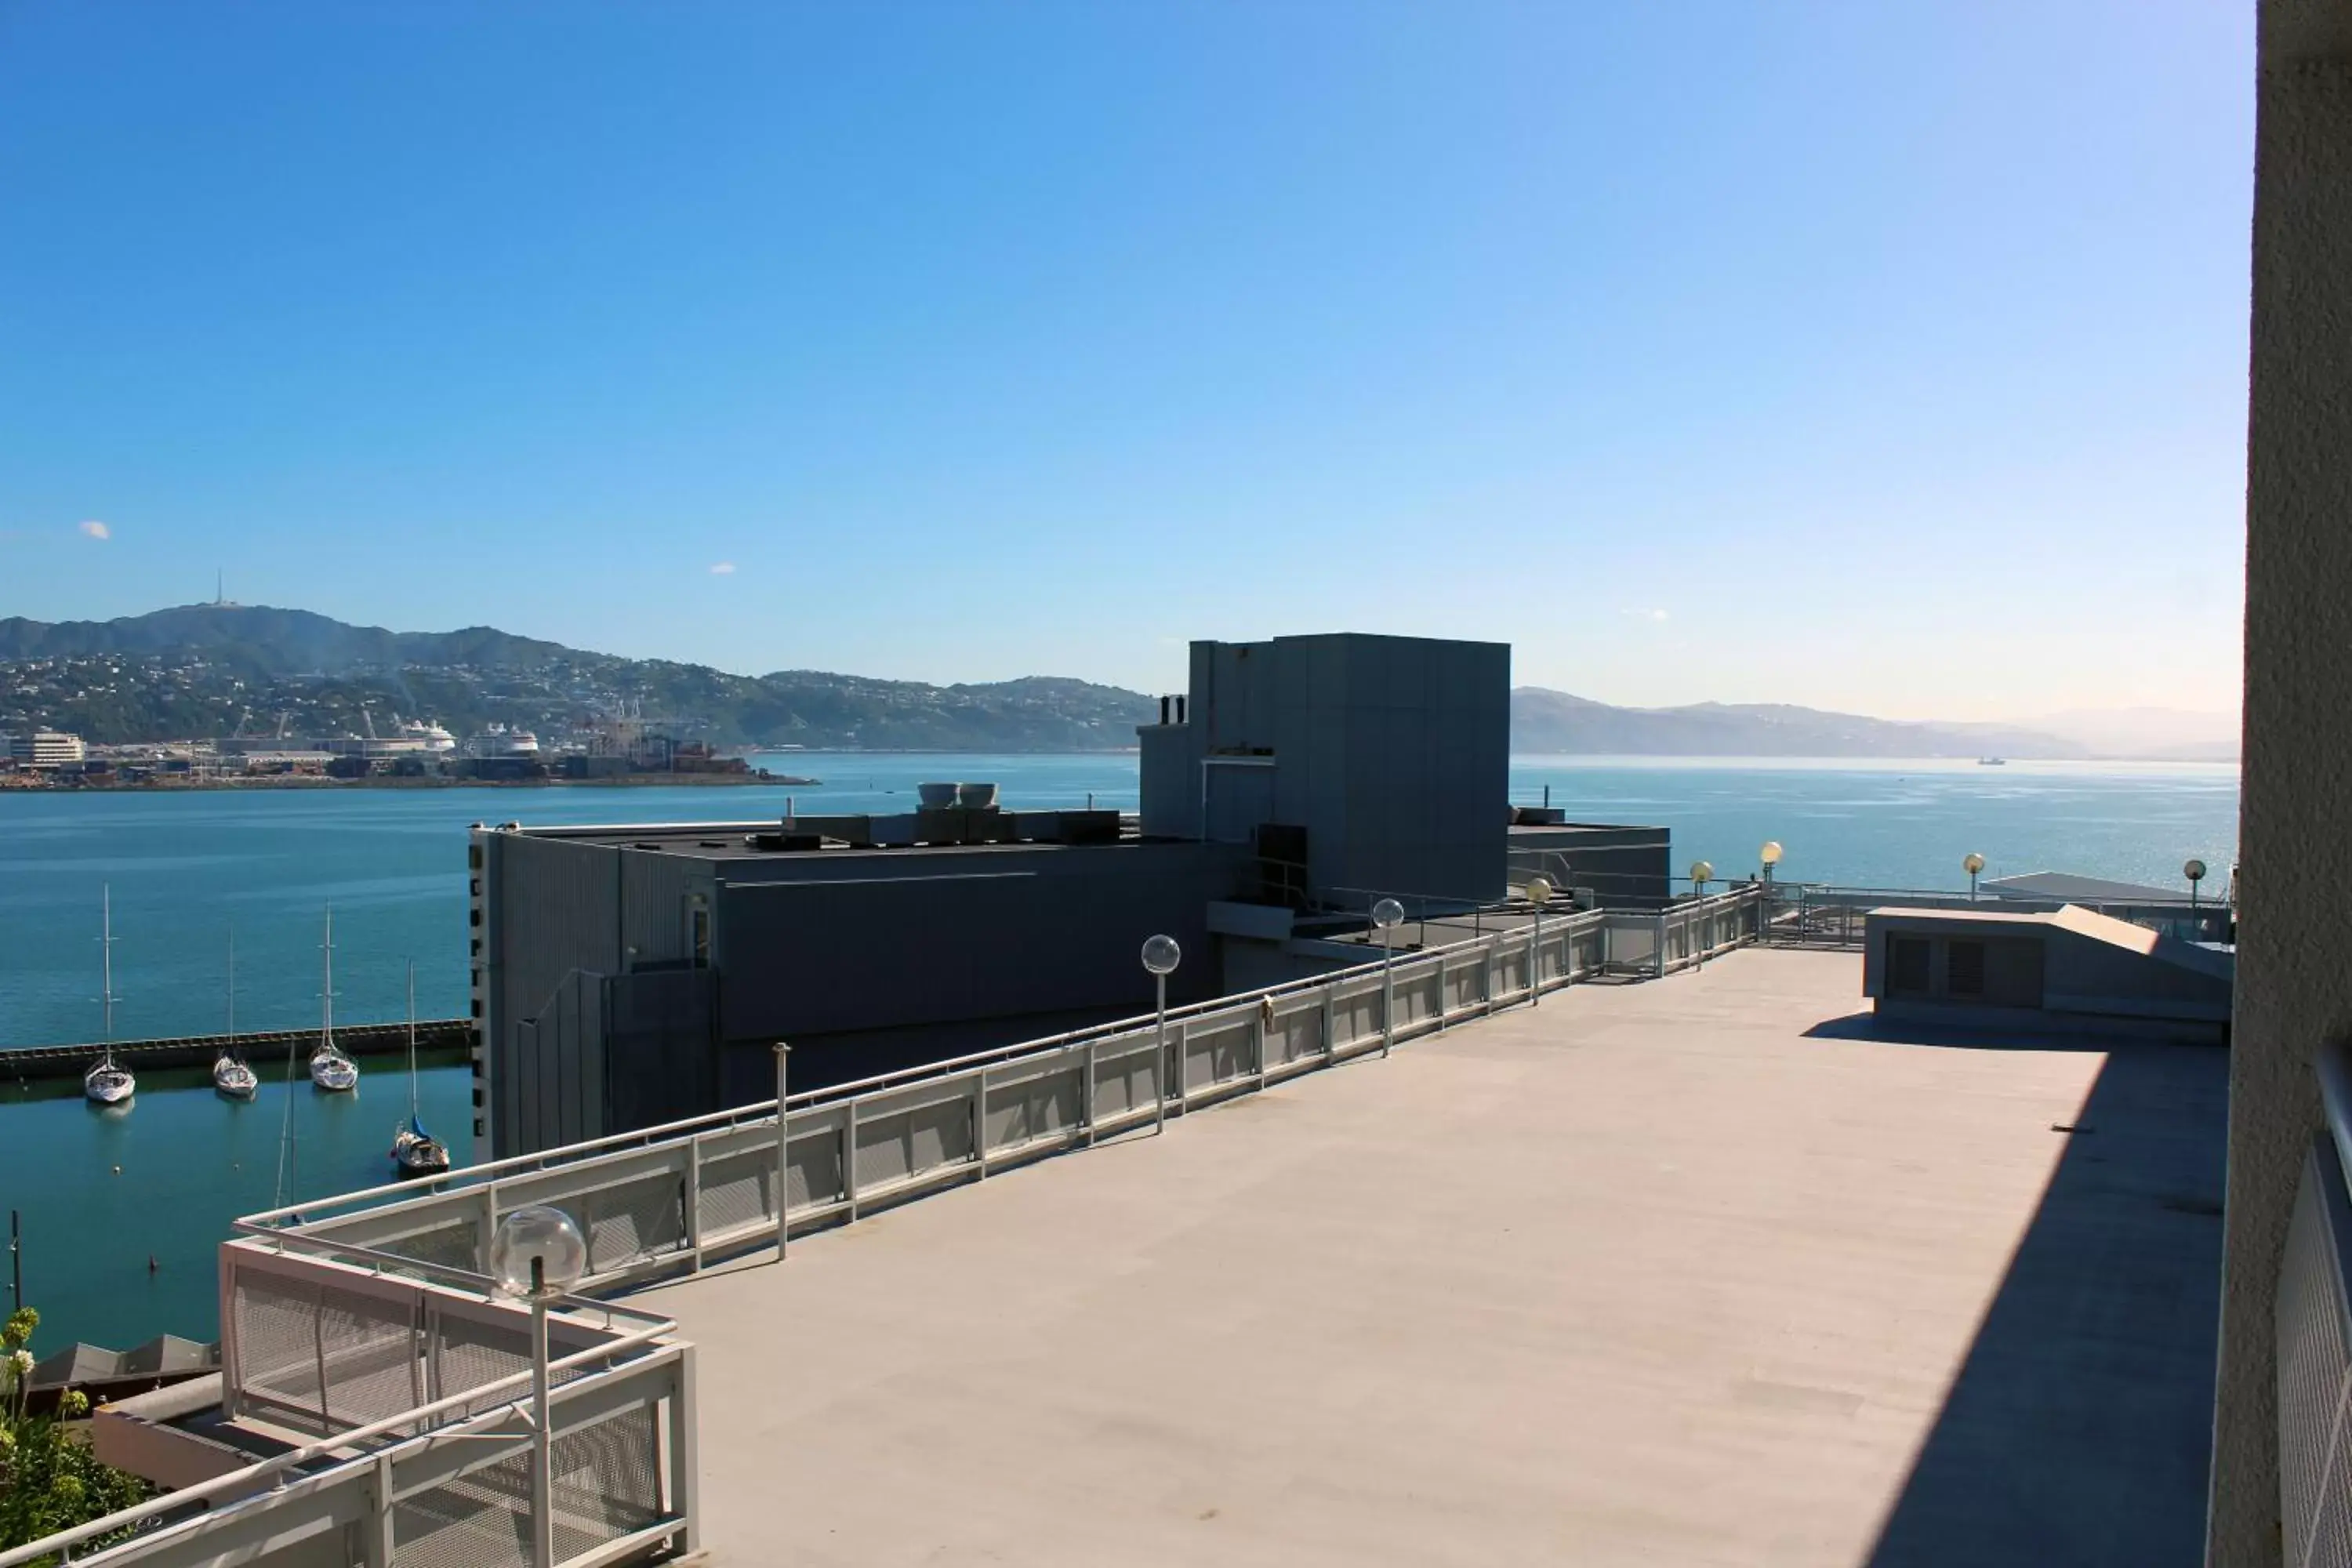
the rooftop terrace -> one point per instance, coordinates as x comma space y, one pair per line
1709, 1270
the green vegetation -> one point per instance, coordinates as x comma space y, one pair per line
49, 1480
209, 671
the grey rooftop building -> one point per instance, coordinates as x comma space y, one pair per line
628, 975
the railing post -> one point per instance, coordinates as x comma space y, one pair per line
980, 1122
1535, 961
1091, 1095
1160, 1033
1330, 1044
783, 1150
849, 1155
489, 1227
1486, 978
543, 1443
376, 1544
1662, 945
693, 1194
684, 1475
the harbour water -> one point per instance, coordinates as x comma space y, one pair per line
106, 1194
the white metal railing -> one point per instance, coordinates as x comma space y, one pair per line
441, 1473
674, 1198
2313, 1320
366, 1318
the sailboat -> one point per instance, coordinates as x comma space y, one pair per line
231, 1075
330, 1070
414, 1151
108, 1081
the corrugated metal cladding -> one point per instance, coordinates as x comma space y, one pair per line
553, 912
656, 890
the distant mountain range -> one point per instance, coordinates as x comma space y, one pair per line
213, 669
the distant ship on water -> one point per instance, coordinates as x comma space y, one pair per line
497, 741
432, 736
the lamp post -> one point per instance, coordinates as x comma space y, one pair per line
1972, 863
1388, 914
1539, 895
1769, 857
536, 1254
2194, 872
1161, 956
1701, 871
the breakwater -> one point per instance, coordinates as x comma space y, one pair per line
437, 1038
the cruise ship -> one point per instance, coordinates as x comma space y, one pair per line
435, 739
497, 741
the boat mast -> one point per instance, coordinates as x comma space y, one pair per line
412, 1042
327, 992
232, 991
106, 965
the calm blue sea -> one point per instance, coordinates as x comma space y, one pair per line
104, 1193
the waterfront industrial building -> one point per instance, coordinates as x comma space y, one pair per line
632, 975
45, 749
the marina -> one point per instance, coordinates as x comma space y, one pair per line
182, 870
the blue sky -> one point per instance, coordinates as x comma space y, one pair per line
1888, 357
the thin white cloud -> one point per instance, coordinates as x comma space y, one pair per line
723, 569
96, 530
1642, 614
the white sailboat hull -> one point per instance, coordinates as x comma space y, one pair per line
108, 1084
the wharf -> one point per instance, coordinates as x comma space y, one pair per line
436, 1037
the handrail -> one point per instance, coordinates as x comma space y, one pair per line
335, 1249
764, 1111
239, 1481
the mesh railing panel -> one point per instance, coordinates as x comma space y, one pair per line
816, 1175
739, 1190
1416, 997
1220, 1053
911, 1142
1038, 1107
1465, 983
468, 1352
277, 1339
458, 1244
370, 1347
2313, 1358
1295, 1035
632, 1220
1356, 1019
607, 1485
1124, 1077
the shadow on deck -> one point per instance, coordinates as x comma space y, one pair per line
2078, 1429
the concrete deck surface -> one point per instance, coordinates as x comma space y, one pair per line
1646, 1275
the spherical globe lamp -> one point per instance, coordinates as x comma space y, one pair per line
537, 1253
1538, 892
1388, 913
1770, 853
1162, 956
